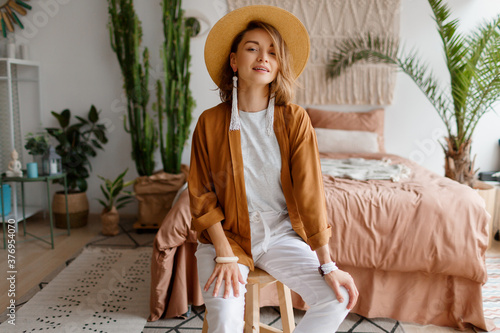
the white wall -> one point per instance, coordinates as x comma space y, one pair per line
412, 124
70, 39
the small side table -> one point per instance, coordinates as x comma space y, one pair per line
22, 180
493, 207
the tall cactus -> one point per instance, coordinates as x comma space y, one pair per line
126, 36
175, 110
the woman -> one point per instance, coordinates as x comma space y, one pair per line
255, 182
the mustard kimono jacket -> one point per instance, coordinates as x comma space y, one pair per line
217, 186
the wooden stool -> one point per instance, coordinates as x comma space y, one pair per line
256, 280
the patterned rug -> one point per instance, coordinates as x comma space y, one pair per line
102, 290
271, 316
491, 290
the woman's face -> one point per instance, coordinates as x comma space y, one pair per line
255, 59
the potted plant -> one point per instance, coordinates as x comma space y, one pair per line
77, 143
472, 62
126, 36
112, 190
175, 111
157, 192
37, 145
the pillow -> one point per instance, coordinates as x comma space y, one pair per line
340, 141
371, 121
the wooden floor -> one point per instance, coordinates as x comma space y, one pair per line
35, 260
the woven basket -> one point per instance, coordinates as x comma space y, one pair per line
78, 208
110, 220
156, 193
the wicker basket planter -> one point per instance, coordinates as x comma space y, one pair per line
78, 208
155, 195
110, 222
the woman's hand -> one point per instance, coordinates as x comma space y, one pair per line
231, 275
339, 278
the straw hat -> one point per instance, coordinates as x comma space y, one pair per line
220, 38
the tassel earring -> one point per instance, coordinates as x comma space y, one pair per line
270, 111
235, 118
270, 116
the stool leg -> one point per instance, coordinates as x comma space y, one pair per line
252, 309
205, 323
286, 308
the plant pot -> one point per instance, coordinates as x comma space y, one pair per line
110, 222
155, 194
78, 208
488, 193
38, 159
458, 164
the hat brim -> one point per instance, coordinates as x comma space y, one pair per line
221, 36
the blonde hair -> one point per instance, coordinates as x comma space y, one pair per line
283, 85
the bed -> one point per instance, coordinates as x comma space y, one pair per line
415, 247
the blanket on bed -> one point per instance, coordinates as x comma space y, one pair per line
363, 169
422, 223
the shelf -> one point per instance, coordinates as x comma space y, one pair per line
15, 61
5, 78
29, 210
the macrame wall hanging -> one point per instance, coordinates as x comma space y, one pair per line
328, 22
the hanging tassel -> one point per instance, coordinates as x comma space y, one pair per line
235, 118
270, 116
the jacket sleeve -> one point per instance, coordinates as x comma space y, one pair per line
205, 208
307, 181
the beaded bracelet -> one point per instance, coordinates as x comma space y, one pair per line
226, 260
327, 268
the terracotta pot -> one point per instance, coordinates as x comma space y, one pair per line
155, 194
78, 208
110, 222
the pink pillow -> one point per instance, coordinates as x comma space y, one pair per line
371, 121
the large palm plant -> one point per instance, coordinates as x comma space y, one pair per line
473, 62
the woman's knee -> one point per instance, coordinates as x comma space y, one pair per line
329, 299
225, 315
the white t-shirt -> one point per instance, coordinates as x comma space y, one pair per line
262, 170
262, 164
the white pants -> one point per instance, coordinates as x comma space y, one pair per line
290, 260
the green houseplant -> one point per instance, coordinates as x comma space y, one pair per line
37, 145
175, 104
114, 198
126, 36
174, 107
473, 64
77, 143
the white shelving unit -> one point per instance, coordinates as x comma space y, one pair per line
20, 113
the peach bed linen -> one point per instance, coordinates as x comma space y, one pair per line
415, 249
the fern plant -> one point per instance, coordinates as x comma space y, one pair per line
473, 63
